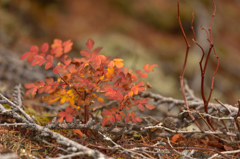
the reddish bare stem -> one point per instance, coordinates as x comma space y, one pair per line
184, 66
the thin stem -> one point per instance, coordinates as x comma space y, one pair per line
184, 66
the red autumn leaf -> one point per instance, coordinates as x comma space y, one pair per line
138, 119
112, 119
33, 48
85, 53
67, 46
38, 60
136, 101
127, 120
134, 120
118, 117
69, 110
96, 51
141, 107
34, 87
96, 63
143, 75
62, 114
55, 70
104, 121
132, 114
30, 57
72, 69
74, 113
26, 54
151, 107
44, 48
141, 83
106, 112
144, 100
67, 60
111, 64
48, 65
31, 91
49, 61
90, 44
29, 85
138, 72
69, 118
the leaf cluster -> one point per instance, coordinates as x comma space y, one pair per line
82, 81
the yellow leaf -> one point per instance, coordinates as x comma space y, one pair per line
110, 72
102, 77
63, 99
72, 102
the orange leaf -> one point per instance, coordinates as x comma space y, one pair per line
150, 106
130, 93
60, 120
100, 100
67, 46
80, 134
90, 44
119, 64
148, 68
176, 137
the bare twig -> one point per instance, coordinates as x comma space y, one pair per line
184, 66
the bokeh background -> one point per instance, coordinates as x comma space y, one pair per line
137, 31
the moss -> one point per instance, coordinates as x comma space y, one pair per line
137, 136
38, 118
7, 106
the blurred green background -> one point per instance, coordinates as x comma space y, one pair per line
137, 31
